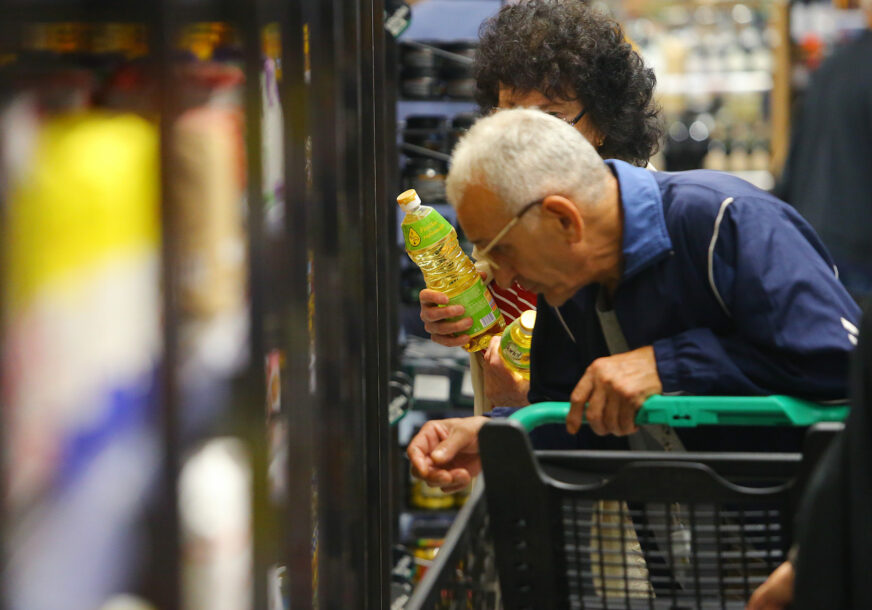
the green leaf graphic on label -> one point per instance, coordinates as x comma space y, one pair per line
426, 231
414, 238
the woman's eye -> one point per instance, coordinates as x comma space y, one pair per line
556, 115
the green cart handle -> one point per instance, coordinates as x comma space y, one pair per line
692, 411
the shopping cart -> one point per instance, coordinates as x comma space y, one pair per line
621, 529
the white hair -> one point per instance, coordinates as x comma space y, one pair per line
524, 155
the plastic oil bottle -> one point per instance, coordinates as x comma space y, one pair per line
431, 243
515, 344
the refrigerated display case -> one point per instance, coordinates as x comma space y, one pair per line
256, 140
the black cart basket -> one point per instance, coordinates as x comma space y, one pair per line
624, 529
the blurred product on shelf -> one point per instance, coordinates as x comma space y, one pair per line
431, 243
429, 498
209, 40
459, 75
208, 176
422, 83
426, 131
207, 182
276, 425
272, 130
817, 28
215, 514
435, 70
460, 124
81, 309
425, 551
419, 56
402, 575
460, 497
426, 176
714, 65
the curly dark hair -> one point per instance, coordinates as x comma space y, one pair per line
566, 50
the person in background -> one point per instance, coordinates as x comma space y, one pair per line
830, 563
828, 173
656, 283
573, 62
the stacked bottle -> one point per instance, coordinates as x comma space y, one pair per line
515, 344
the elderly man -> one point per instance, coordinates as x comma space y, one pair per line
694, 283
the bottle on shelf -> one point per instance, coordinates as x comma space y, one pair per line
431, 243
515, 344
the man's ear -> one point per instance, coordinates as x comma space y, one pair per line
565, 213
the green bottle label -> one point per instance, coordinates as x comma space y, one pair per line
516, 355
479, 305
425, 231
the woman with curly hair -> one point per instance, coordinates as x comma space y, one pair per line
573, 62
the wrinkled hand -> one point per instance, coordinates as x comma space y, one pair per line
445, 452
613, 389
777, 592
502, 386
436, 319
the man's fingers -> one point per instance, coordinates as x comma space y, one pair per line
450, 340
611, 412
627, 420
492, 354
578, 399
420, 462
596, 410
436, 313
446, 451
448, 327
432, 297
460, 478
493, 348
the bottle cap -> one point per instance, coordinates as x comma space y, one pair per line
409, 200
528, 321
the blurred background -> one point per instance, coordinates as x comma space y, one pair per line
211, 353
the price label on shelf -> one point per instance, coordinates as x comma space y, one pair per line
436, 388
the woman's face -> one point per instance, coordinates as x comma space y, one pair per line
563, 109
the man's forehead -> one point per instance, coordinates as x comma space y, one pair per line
478, 197
480, 213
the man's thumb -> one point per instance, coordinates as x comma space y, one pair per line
447, 449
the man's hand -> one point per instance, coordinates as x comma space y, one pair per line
502, 386
613, 389
435, 317
777, 592
445, 452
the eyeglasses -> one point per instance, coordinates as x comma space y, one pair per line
483, 253
557, 115
573, 121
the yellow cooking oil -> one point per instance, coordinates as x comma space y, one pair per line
515, 344
431, 243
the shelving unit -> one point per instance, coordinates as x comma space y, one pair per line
318, 308
438, 378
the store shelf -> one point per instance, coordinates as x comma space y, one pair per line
752, 81
762, 179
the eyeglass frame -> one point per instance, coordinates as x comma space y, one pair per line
577, 117
556, 116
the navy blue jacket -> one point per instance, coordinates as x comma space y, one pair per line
734, 290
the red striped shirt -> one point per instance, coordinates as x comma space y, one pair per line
512, 301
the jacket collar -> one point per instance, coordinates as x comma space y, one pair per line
645, 237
